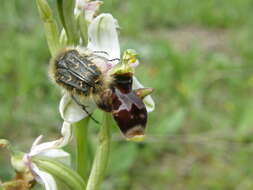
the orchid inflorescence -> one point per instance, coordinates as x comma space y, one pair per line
95, 38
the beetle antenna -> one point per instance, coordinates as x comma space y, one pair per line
115, 59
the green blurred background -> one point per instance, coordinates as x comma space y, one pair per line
198, 57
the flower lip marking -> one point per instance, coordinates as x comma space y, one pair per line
126, 106
129, 112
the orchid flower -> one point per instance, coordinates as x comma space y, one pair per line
48, 150
103, 37
90, 8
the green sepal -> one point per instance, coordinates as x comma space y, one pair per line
82, 24
61, 172
66, 13
17, 161
50, 26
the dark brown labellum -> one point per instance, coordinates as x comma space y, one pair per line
129, 112
126, 105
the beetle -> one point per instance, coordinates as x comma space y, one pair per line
82, 73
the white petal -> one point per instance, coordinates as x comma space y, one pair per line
67, 133
37, 141
71, 112
58, 154
103, 35
44, 147
61, 142
44, 178
148, 101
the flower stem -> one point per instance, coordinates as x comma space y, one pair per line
102, 155
82, 152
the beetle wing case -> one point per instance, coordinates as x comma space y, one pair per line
75, 70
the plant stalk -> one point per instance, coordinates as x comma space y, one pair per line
102, 155
82, 149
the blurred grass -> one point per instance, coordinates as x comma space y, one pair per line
198, 57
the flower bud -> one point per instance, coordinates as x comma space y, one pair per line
4, 143
18, 162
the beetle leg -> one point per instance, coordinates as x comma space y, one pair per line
104, 52
115, 59
84, 108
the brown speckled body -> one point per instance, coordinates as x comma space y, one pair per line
77, 73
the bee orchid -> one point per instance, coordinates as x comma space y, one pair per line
103, 38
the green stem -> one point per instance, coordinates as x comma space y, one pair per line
82, 151
102, 155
